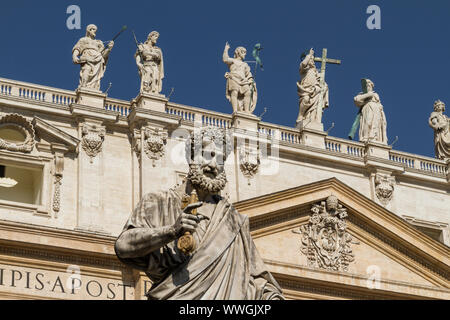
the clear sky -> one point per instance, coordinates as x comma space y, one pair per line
408, 59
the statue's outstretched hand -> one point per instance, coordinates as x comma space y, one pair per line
188, 222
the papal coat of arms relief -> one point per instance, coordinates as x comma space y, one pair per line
325, 240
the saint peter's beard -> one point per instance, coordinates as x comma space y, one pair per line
207, 178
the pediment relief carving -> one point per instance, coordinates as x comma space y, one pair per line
16, 134
325, 240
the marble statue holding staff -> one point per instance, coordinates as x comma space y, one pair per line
373, 120
441, 126
241, 88
310, 91
190, 241
149, 59
92, 56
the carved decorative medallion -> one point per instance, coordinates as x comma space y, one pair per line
249, 160
22, 138
325, 240
154, 142
384, 188
93, 136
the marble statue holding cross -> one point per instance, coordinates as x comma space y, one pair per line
313, 90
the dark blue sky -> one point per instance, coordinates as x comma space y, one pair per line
408, 59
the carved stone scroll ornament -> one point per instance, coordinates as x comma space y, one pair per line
325, 240
23, 127
154, 142
384, 188
249, 160
92, 139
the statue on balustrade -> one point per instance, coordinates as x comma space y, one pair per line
92, 56
190, 241
441, 126
372, 118
313, 97
241, 87
149, 59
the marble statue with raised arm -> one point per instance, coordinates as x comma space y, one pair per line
149, 59
310, 91
241, 88
441, 126
190, 241
92, 56
373, 126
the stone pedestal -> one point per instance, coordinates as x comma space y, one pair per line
155, 102
91, 98
305, 124
378, 150
313, 138
245, 121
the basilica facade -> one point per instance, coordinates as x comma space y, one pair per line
331, 218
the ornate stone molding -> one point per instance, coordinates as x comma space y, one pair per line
384, 187
93, 136
249, 160
154, 141
57, 194
325, 240
22, 125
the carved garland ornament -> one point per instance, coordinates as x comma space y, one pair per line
249, 160
154, 142
22, 125
325, 240
92, 139
384, 188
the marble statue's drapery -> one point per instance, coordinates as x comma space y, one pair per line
225, 265
93, 63
309, 91
441, 125
373, 121
152, 72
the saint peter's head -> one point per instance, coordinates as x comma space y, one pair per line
206, 151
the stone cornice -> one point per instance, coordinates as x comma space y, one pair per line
14, 232
347, 286
93, 113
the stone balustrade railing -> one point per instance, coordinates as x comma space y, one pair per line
421, 163
36, 92
204, 117
348, 147
121, 106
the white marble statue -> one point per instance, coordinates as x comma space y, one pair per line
220, 261
92, 56
149, 59
311, 94
441, 126
373, 120
241, 87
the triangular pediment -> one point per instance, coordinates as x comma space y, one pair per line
383, 246
54, 134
